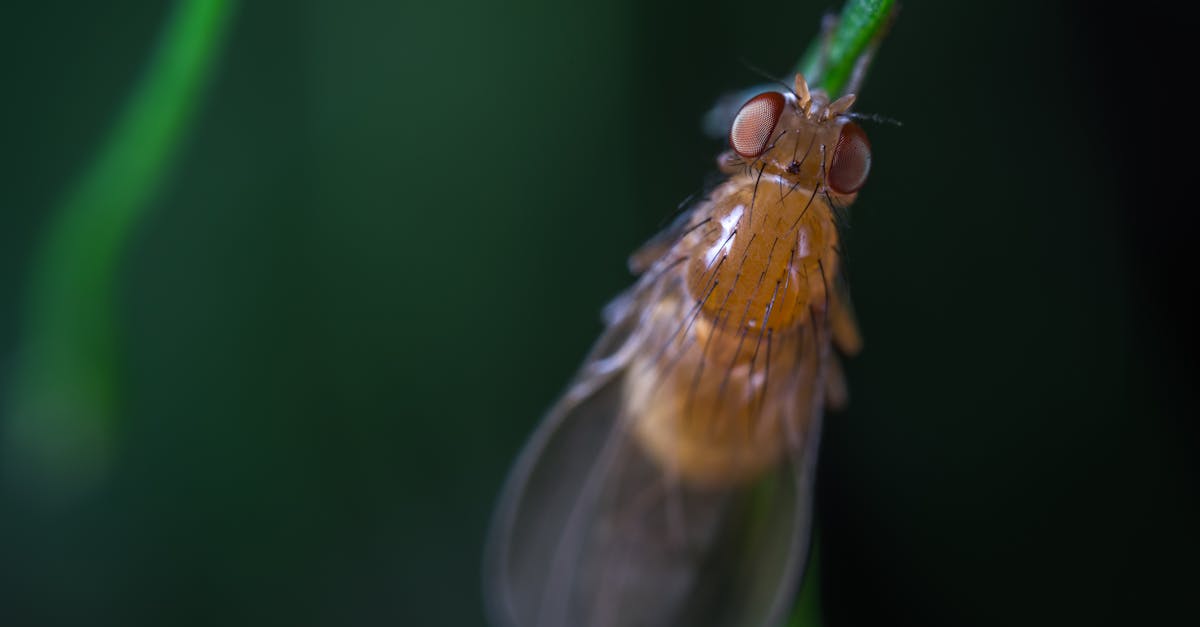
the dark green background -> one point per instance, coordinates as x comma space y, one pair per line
386, 241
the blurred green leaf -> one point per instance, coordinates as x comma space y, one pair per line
64, 401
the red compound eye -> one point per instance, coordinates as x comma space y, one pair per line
851, 160
755, 121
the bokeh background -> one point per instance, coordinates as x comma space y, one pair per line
382, 248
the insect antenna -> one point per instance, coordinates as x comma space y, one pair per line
770, 77
873, 117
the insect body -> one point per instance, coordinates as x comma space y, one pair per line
672, 484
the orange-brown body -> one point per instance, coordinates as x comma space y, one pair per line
743, 335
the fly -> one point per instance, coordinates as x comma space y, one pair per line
672, 483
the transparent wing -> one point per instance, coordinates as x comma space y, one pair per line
590, 531
543, 505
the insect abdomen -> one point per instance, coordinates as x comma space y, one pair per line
715, 402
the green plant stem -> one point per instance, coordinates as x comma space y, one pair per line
64, 400
807, 611
830, 65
